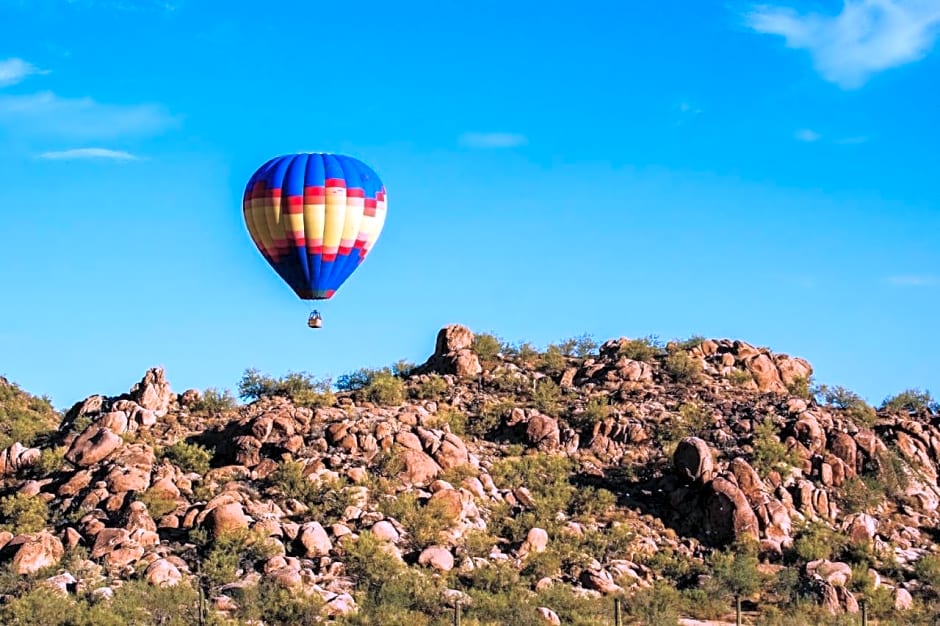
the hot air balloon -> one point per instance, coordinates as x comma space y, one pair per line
314, 217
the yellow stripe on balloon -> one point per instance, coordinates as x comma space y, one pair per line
259, 209
314, 222
354, 209
335, 217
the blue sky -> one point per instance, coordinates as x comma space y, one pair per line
763, 172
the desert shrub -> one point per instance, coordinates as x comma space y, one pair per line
23, 514
526, 352
489, 417
552, 361
841, 398
688, 344
158, 503
423, 523
215, 401
23, 416
642, 349
546, 477
769, 452
861, 493
739, 377
486, 346
682, 367
190, 457
801, 387
274, 605
385, 388
389, 592
456, 420
927, 570
402, 368
817, 541
433, 387
580, 346
690, 421
326, 499
50, 461
302, 388
734, 570
655, 606
232, 551
547, 396
910, 401
592, 501
597, 410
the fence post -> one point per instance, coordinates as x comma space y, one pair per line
737, 610
864, 606
618, 620
456, 612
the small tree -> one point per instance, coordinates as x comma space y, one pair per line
735, 573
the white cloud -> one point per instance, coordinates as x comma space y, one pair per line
46, 113
88, 153
914, 280
492, 140
868, 36
807, 135
14, 70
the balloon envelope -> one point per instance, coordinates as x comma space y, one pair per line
314, 217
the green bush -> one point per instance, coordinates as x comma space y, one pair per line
580, 346
158, 503
841, 398
690, 421
301, 388
190, 457
688, 344
643, 349
215, 401
423, 523
456, 420
739, 377
597, 410
50, 461
769, 452
487, 347
489, 417
271, 604
682, 367
552, 361
326, 499
547, 396
801, 387
232, 551
817, 541
23, 514
385, 389
389, 592
910, 401
23, 416
432, 388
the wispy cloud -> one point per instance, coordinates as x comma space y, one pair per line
14, 70
687, 111
807, 135
853, 140
46, 113
88, 153
866, 37
492, 140
914, 280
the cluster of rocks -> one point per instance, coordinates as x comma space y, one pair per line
707, 494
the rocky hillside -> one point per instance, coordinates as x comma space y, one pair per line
523, 486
